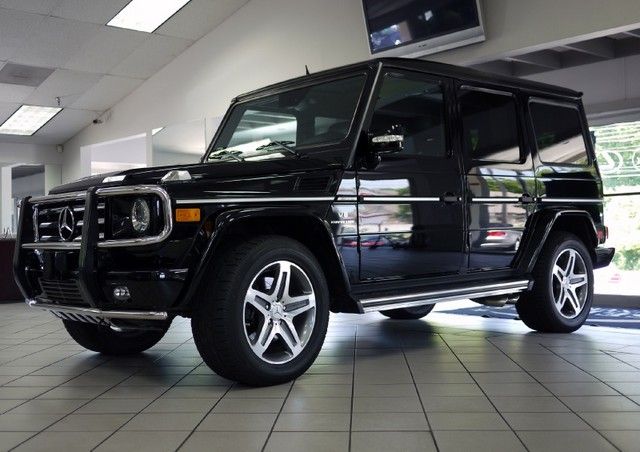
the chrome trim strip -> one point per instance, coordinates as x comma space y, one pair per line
573, 200
112, 191
342, 198
425, 298
504, 199
129, 315
401, 199
250, 200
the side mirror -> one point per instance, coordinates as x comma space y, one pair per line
387, 143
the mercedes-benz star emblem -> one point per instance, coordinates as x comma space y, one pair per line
66, 224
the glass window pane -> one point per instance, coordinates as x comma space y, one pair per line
317, 114
618, 153
490, 126
558, 131
414, 108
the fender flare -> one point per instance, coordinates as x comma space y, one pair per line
223, 223
539, 226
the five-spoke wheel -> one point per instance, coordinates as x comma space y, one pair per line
266, 320
569, 284
563, 287
280, 312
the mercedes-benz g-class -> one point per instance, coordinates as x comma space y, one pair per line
389, 186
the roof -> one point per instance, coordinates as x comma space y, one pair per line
432, 67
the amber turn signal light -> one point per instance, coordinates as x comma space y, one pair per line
187, 215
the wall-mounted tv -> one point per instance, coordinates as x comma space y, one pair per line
414, 28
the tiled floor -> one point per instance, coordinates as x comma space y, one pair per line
448, 383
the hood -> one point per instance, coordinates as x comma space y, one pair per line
202, 172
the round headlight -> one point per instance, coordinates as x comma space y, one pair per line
140, 215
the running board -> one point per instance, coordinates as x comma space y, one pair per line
438, 296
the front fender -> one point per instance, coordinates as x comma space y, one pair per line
230, 222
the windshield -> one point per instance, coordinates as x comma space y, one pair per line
288, 123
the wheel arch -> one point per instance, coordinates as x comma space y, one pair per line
545, 222
301, 225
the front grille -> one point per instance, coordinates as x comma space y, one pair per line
65, 292
47, 218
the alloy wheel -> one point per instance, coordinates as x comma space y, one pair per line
570, 283
279, 312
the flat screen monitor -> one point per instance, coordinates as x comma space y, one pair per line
414, 28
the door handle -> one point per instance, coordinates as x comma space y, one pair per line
450, 198
526, 198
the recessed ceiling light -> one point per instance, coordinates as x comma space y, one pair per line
28, 120
146, 15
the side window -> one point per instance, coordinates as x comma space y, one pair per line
558, 131
414, 107
490, 126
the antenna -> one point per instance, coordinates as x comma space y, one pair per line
306, 68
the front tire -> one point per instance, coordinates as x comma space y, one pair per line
562, 293
102, 339
265, 318
414, 313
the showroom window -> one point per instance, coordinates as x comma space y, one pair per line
558, 130
414, 107
490, 125
618, 154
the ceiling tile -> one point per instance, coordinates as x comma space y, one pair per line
14, 93
109, 47
106, 93
66, 124
65, 84
15, 28
6, 110
54, 42
199, 17
31, 6
150, 57
97, 12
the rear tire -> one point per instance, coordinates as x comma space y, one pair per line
264, 320
414, 313
102, 339
562, 293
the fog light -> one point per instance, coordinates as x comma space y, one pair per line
121, 293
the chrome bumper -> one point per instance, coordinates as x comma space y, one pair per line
93, 315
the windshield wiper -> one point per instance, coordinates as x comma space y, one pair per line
223, 153
284, 145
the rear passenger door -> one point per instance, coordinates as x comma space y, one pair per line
499, 174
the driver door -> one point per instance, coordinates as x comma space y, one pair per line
410, 212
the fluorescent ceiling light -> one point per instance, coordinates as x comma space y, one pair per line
28, 120
146, 15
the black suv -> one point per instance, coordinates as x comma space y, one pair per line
389, 186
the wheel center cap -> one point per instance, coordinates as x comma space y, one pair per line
277, 311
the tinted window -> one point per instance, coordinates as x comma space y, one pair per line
558, 131
415, 109
490, 126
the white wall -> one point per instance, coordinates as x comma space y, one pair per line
267, 41
11, 153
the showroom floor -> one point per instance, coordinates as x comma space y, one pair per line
450, 383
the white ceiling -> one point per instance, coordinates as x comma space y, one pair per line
95, 66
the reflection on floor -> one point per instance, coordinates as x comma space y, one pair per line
452, 382
599, 316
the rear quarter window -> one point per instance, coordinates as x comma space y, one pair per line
559, 133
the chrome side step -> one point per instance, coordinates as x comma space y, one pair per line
91, 314
438, 296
